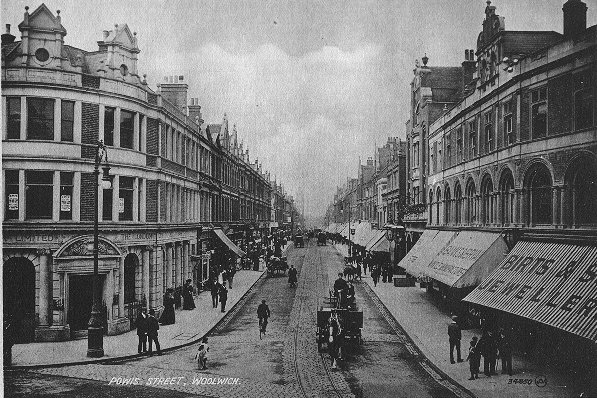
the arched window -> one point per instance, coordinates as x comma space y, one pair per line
438, 200
507, 197
538, 182
430, 207
458, 204
486, 201
470, 193
447, 206
584, 194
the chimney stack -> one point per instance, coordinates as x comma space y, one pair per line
174, 90
575, 17
7, 38
195, 111
468, 68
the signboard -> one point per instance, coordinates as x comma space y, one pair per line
65, 203
13, 201
352, 231
120, 205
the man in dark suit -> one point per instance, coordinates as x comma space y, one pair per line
142, 331
223, 297
455, 335
152, 332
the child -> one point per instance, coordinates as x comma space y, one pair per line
201, 356
474, 359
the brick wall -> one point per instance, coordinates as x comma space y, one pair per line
152, 136
152, 201
87, 197
89, 129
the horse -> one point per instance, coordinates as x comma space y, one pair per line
334, 339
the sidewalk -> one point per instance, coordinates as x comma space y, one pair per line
422, 320
190, 326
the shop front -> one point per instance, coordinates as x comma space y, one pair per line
459, 263
545, 293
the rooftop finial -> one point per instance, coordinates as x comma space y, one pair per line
26, 8
425, 59
58, 12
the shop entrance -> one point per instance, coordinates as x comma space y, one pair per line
80, 293
19, 297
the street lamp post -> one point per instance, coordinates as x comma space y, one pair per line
95, 332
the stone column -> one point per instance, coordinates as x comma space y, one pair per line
45, 286
524, 211
185, 260
168, 267
498, 213
121, 288
564, 206
555, 207
146, 264
178, 263
109, 292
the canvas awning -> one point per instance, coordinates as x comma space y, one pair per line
423, 252
467, 259
237, 250
551, 283
362, 232
374, 239
382, 245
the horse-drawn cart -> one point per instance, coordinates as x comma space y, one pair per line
277, 265
350, 320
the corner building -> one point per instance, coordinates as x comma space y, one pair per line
173, 182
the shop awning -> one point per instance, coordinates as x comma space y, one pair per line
421, 253
378, 234
362, 232
467, 259
382, 245
229, 243
551, 283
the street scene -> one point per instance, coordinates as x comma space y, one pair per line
299, 199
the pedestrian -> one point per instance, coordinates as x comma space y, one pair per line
187, 295
375, 274
168, 316
223, 277
214, 290
230, 275
201, 355
505, 352
454, 336
487, 349
474, 359
141, 324
223, 297
152, 332
359, 272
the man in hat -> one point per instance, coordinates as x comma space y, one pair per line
152, 332
454, 335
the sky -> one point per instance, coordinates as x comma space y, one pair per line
312, 86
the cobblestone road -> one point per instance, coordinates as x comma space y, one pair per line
285, 363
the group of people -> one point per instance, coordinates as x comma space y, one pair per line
490, 346
219, 293
147, 329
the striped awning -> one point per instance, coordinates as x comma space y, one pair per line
551, 283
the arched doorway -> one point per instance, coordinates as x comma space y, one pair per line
458, 206
131, 303
507, 197
584, 194
19, 297
486, 201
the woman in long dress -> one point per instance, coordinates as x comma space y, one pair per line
187, 295
168, 317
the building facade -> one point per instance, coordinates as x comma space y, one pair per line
517, 157
173, 181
